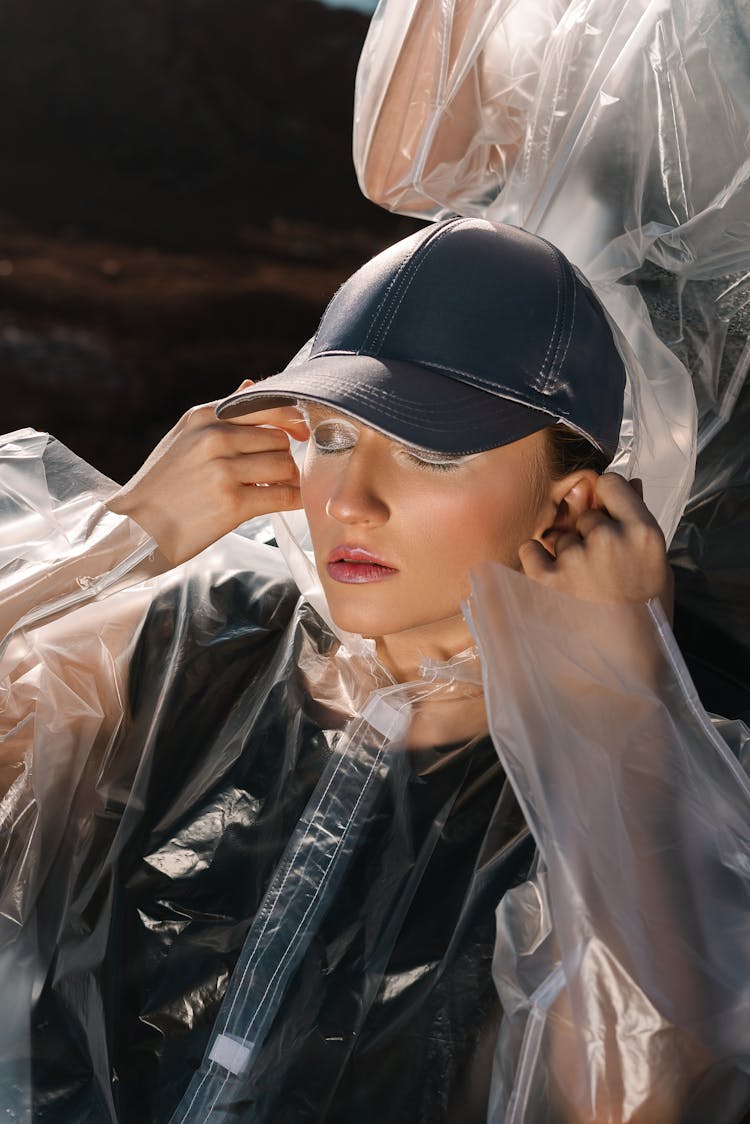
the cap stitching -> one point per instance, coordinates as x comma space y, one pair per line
423, 417
373, 338
347, 381
458, 405
558, 364
385, 327
542, 375
394, 282
489, 387
419, 409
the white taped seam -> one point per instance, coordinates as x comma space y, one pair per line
388, 720
231, 1053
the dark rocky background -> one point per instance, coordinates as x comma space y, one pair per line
177, 205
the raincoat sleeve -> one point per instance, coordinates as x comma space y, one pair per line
443, 95
623, 966
60, 545
69, 621
62, 553
503, 107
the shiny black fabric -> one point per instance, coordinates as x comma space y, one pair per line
392, 1013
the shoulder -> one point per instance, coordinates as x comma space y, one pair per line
227, 607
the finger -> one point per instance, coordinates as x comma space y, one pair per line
204, 414
594, 517
247, 439
614, 494
536, 562
287, 418
265, 468
567, 541
637, 486
265, 500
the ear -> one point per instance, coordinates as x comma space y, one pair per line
568, 498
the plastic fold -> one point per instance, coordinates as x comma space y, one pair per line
620, 132
623, 965
246, 876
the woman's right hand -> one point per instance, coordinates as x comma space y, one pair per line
207, 476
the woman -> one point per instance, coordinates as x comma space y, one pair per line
621, 132
283, 854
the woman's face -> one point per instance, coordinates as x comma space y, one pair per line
396, 531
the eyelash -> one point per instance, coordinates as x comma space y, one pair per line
414, 458
433, 466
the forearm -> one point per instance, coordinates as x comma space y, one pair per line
421, 106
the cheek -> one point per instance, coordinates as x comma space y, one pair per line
457, 529
314, 490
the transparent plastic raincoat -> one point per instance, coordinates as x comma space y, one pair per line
243, 878
621, 132
247, 877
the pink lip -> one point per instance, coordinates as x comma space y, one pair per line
355, 565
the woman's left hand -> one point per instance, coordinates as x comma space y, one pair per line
616, 553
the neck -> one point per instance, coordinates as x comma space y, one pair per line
403, 653
445, 712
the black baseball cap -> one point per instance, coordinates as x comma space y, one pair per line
462, 337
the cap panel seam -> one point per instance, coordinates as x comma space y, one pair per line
386, 325
325, 313
374, 336
542, 376
558, 363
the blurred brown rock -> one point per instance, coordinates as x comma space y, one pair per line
177, 205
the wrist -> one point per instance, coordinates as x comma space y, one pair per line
154, 523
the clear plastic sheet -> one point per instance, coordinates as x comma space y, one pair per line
618, 131
60, 544
210, 779
624, 965
246, 876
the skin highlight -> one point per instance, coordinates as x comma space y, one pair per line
428, 522
583, 534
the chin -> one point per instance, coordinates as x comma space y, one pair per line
359, 614
367, 624
373, 622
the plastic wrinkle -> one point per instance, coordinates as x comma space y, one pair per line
651, 1013
619, 132
205, 839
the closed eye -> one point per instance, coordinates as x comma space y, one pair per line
431, 459
334, 436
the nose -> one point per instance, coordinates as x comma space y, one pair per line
356, 496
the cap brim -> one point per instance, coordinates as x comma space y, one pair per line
416, 405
